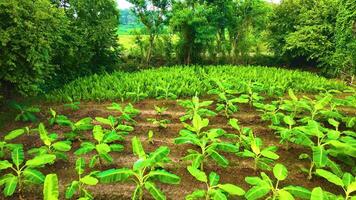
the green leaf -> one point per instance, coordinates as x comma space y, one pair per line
72, 189
298, 191
156, 193
103, 148
330, 177
320, 156
280, 172
85, 148
347, 179
317, 194
257, 192
292, 95
40, 160
89, 180
270, 154
285, 195
98, 133
17, 156
50, 187
232, 189
199, 175
34, 176
221, 160
160, 154
254, 180
116, 147
4, 164
289, 120
213, 179
114, 175
218, 195
44, 134
137, 148
165, 177
10, 185
62, 146
14, 134
197, 194
124, 128
227, 147
80, 165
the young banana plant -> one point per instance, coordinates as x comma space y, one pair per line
193, 107
51, 145
243, 134
103, 146
213, 190
20, 173
160, 110
137, 95
263, 157
78, 187
84, 124
73, 105
208, 142
115, 125
27, 113
265, 188
145, 172
347, 182
165, 93
57, 119
127, 113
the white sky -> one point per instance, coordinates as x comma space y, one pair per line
123, 4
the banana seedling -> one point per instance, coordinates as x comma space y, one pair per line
265, 188
57, 119
51, 145
270, 112
251, 90
214, 190
103, 146
84, 124
347, 182
127, 113
243, 134
209, 143
73, 105
27, 113
286, 133
20, 173
161, 123
160, 110
150, 135
137, 95
263, 157
193, 107
114, 125
227, 101
145, 172
6, 147
165, 93
78, 187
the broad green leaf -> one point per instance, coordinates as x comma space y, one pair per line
253, 180
103, 120
85, 148
347, 179
320, 156
285, 195
199, 175
50, 187
72, 189
14, 134
289, 120
221, 160
137, 148
197, 194
351, 188
17, 156
40, 160
218, 195
125, 128
114, 175
165, 177
234, 123
269, 154
317, 194
98, 133
89, 180
116, 147
232, 189
10, 185
257, 192
62, 146
292, 95
330, 177
44, 134
4, 164
34, 176
103, 148
298, 191
158, 155
213, 179
226, 147
280, 172
80, 165
156, 193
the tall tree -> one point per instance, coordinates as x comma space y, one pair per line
153, 15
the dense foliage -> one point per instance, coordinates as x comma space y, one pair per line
178, 81
45, 39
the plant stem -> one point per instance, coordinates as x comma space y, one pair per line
311, 170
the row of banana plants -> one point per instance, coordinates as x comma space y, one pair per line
302, 121
179, 81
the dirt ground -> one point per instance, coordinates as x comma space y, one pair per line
235, 173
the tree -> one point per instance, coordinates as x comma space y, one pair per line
153, 15
29, 31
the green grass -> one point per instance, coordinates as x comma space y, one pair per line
189, 80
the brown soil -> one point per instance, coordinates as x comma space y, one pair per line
235, 173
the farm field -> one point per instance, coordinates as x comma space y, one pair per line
298, 137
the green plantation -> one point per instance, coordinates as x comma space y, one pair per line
177, 100
216, 132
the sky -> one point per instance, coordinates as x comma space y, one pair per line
123, 4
